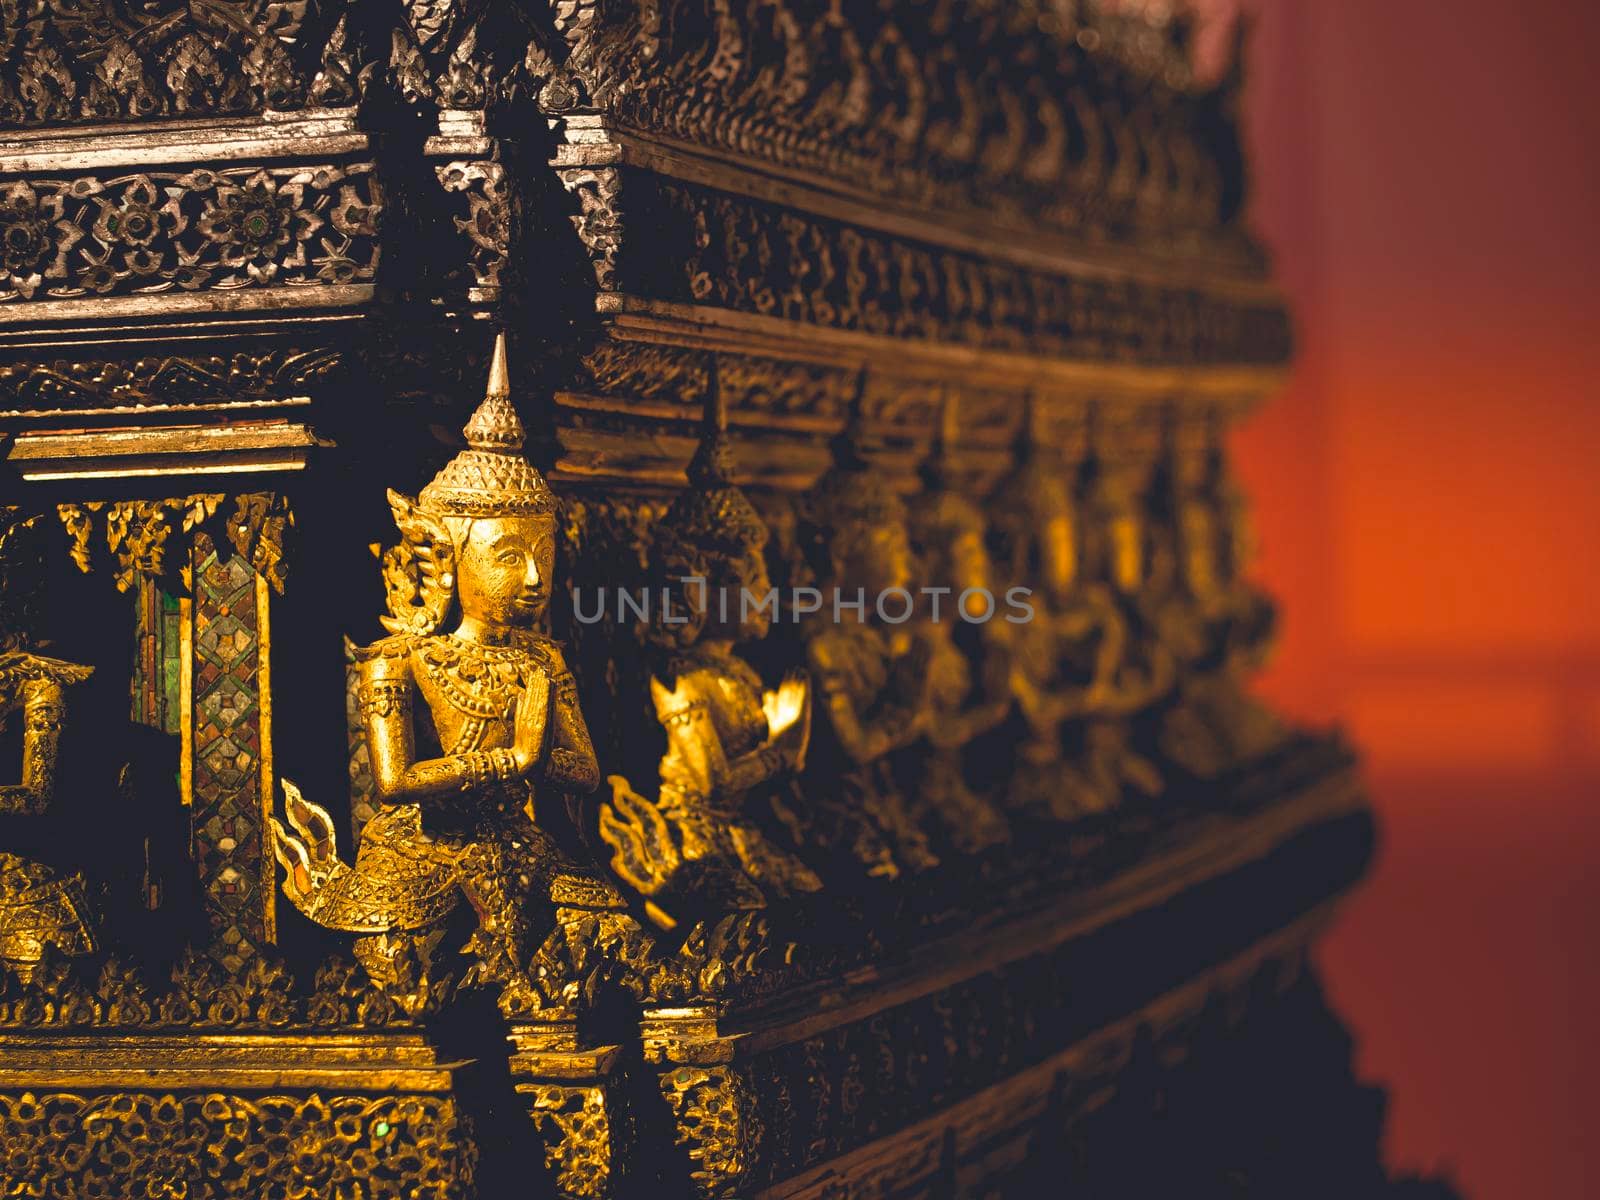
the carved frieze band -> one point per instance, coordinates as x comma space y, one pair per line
185, 231
72, 995
1074, 116
1082, 117
53, 385
135, 532
105, 59
215, 1144
724, 251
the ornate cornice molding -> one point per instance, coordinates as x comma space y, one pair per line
91, 385
629, 410
1079, 117
1062, 116
62, 62
599, 147
660, 239
149, 233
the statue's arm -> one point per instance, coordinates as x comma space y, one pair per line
992, 705
387, 694
863, 741
956, 730
1102, 610
694, 761
1042, 707
570, 764
1128, 687
44, 709
951, 727
753, 769
1043, 711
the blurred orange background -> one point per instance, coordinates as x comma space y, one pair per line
1425, 175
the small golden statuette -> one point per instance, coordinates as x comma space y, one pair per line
873, 678
967, 648
1220, 625
473, 721
1067, 664
41, 905
728, 740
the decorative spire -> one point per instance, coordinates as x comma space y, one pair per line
490, 477
494, 424
499, 373
712, 464
852, 491
711, 513
938, 466
849, 447
1027, 443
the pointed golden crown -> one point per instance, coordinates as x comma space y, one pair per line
1037, 485
490, 478
943, 507
712, 513
852, 491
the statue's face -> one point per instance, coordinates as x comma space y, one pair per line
750, 585
737, 587
1127, 565
1199, 549
969, 568
878, 559
505, 569
1058, 556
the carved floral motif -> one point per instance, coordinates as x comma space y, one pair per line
717, 1125
581, 1132
487, 198
598, 219
136, 532
198, 993
163, 380
170, 231
195, 1146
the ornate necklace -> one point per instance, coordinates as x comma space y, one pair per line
477, 681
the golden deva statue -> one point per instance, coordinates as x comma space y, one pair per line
873, 677
1065, 662
1123, 557
969, 654
727, 739
461, 776
40, 905
1249, 617
1222, 626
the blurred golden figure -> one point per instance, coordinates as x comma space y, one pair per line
1128, 559
40, 905
727, 738
873, 676
1224, 627
1064, 663
461, 774
969, 656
